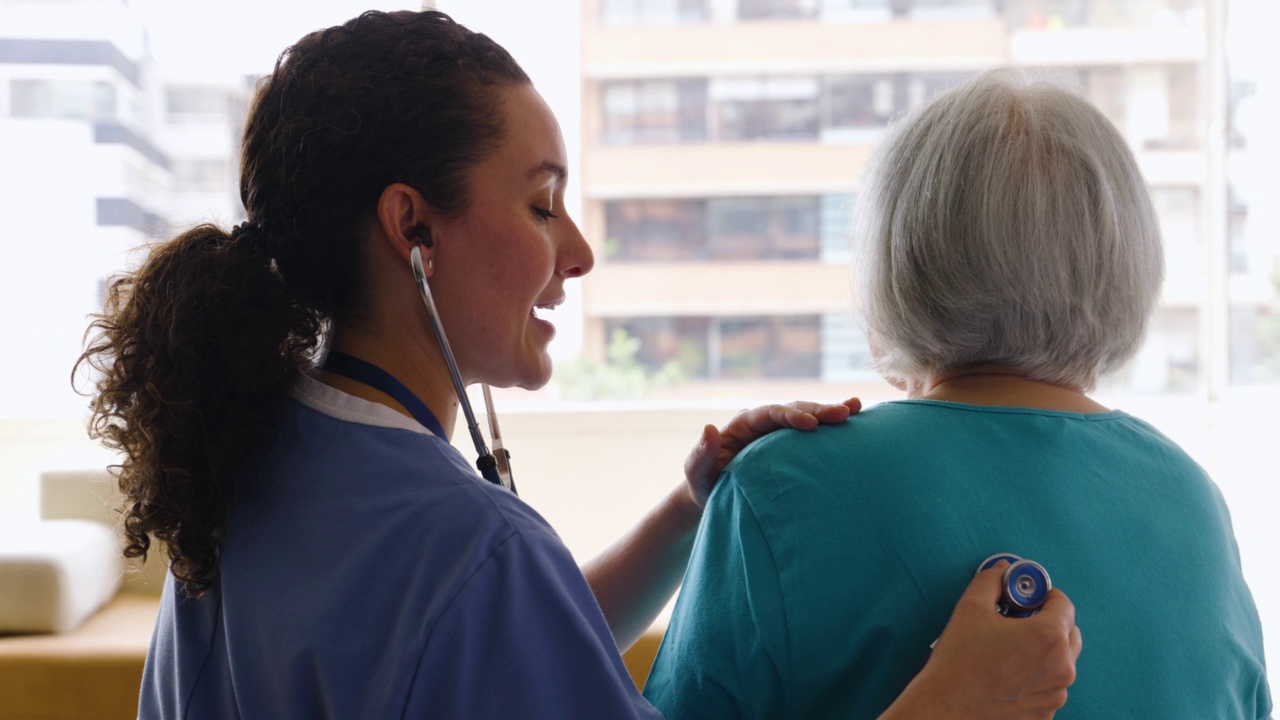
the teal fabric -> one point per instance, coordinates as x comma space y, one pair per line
828, 561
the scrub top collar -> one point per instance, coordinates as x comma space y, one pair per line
337, 404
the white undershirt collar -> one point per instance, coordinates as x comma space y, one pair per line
337, 404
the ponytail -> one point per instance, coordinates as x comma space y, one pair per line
195, 350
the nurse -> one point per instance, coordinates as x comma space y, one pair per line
331, 554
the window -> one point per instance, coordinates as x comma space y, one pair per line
776, 9
201, 176
72, 99
858, 102
1046, 14
772, 347
1184, 108
734, 228
684, 340
1060, 14
855, 10
952, 9
1107, 89
653, 12
922, 87
765, 227
777, 108
655, 230
655, 111
196, 104
728, 348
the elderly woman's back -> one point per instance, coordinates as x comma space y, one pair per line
1008, 255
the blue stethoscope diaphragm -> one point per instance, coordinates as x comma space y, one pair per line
1025, 585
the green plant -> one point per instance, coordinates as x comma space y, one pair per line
621, 376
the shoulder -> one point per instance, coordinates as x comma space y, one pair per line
792, 456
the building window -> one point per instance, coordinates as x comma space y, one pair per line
82, 100
776, 9
1184, 108
766, 108
733, 347
737, 228
770, 347
655, 230
653, 12
923, 87
655, 111
763, 228
196, 104
846, 353
1047, 14
855, 10
858, 102
952, 9
201, 176
683, 340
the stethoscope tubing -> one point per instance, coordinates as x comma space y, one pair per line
494, 470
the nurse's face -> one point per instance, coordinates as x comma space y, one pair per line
501, 266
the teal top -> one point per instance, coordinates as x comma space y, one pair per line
828, 561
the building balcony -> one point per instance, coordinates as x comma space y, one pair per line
719, 289
1078, 47
720, 169
780, 168
801, 46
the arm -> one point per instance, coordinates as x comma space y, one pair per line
635, 577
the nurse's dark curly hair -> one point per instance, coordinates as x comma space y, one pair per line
195, 351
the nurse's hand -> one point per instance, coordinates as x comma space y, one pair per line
986, 665
717, 447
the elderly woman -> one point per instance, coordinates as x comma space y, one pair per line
1008, 255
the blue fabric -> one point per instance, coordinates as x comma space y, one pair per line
828, 561
367, 572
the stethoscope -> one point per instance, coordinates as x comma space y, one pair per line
1025, 585
494, 467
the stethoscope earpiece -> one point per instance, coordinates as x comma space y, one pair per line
422, 236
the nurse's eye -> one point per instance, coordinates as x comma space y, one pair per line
543, 213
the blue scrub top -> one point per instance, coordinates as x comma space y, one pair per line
367, 571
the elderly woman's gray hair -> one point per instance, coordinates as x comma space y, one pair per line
1006, 223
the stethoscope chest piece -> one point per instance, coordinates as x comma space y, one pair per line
1025, 585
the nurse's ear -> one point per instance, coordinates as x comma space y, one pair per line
404, 221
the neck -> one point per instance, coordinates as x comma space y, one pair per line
1004, 388
420, 369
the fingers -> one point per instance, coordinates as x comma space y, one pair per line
703, 464
1058, 607
1059, 610
749, 425
755, 423
702, 458
987, 586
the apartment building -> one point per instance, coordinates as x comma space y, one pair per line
723, 142
83, 180
100, 152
